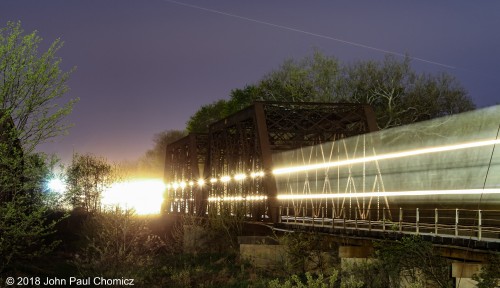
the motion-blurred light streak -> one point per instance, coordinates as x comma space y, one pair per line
389, 194
415, 152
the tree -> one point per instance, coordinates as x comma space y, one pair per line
23, 232
411, 258
314, 78
87, 178
31, 88
206, 115
398, 94
489, 275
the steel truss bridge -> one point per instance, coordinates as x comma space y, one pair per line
326, 167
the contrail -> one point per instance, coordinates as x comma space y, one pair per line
309, 33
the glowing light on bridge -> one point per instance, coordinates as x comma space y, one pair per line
389, 194
145, 196
223, 179
239, 177
415, 152
257, 174
237, 198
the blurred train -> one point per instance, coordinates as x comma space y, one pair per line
447, 164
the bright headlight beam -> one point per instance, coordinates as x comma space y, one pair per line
389, 194
145, 196
295, 169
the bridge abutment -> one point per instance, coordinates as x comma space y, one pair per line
463, 272
262, 251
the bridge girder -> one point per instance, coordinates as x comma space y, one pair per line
243, 143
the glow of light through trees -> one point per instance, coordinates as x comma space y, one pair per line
145, 196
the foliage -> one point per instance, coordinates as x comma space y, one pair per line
401, 96
209, 270
367, 271
316, 78
206, 115
23, 232
87, 178
216, 234
32, 86
227, 226
489, 276
310, 281
398, 94
306, 252
413, 259
118, 245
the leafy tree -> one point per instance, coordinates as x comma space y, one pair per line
489, 276
410, 258
401, 96
87, 178
398, 94
316, 78
206, 115
23, 232
31, 88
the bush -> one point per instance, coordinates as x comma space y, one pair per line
310, 281
118, 244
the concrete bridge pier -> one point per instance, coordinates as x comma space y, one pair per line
463, 272
354, 255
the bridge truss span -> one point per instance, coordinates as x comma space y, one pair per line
237, 175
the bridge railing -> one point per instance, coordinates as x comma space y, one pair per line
482, 225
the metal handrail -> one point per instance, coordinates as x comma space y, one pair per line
462, 222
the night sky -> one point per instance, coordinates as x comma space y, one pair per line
147, 66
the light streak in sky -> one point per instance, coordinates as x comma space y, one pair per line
389, 194
415, 152
309, 33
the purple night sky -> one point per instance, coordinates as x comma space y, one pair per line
147, 66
